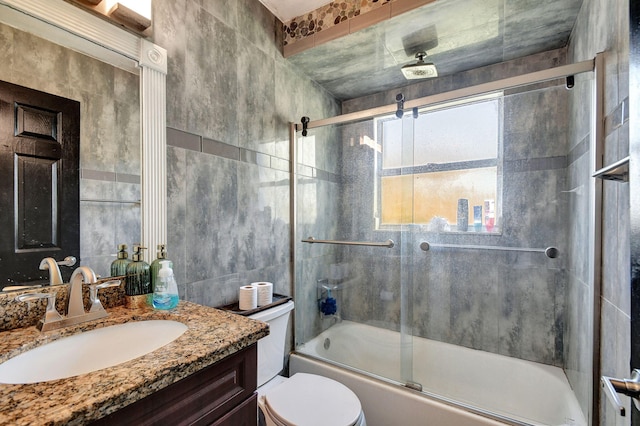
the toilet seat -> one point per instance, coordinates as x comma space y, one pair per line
310, 400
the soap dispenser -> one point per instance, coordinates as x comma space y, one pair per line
119, 266
138, 274
165, 291
155, 265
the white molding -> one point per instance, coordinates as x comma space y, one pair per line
76, 29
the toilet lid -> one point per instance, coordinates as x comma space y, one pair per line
308, 399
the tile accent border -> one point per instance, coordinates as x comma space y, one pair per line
338, 19
180, 139
109, 176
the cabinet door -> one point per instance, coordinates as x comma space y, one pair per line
199, 399
245, 414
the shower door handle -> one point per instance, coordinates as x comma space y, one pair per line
630, 387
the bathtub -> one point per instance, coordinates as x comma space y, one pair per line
461, 386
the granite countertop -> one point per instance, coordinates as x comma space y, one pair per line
212, 335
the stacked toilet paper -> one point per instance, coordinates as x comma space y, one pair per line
265, 293
254, 295
248, 297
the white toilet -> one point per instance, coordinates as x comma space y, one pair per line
304, 399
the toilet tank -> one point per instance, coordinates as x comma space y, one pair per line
271, 348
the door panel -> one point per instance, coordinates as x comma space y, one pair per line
39, 189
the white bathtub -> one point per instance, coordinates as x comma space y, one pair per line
523, 392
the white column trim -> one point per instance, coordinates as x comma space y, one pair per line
74, 28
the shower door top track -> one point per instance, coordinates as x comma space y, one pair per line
506, 83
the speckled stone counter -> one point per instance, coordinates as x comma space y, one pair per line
212, 335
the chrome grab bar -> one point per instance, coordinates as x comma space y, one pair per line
629, 387
550, 252
388, 243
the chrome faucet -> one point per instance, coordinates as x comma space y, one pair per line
75, 304
52, 265
54, 271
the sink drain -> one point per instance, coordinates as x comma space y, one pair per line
327, 343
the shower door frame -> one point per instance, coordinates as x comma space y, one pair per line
595, 65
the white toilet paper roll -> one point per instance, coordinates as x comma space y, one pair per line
265, 293
248, 297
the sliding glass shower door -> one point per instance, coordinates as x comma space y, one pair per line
351, 271
454, 242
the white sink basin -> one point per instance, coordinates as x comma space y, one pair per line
89, 351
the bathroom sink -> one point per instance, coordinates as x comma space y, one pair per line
89, 351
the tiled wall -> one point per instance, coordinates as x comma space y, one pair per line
109, 137
603, 26
230, 98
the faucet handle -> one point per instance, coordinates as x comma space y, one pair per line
68, 261
51, 314
96, 306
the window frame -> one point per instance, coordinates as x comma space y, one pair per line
497, 162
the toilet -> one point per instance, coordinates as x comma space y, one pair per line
303, 399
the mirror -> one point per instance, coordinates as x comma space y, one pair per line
106, 79
109, 147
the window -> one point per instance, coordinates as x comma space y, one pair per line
431, 164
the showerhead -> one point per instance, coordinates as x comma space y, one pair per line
420, 69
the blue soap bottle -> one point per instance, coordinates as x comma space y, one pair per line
165, 291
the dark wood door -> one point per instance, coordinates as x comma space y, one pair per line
39, 182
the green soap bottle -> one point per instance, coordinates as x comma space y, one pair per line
156, 265
138, 274
119, 266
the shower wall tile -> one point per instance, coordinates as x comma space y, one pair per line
528, 326
431, 295
259, 27
256, 87
224, 10
212, 81
579, 101
532, 125
307, 315
601, 27
228, 85
610, 243
211, 225
281, 229
177, 244
474, 302
214, 292
383, 299
256, 198
533, 214
289, 93
170, 33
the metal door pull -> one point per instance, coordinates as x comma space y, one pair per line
630, 387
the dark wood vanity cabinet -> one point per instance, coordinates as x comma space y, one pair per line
222, 394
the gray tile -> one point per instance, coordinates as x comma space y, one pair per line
183, 140
178, 245
220, 149
255, 98
211, 219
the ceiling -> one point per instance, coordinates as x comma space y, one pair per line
458, 35
286, 10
